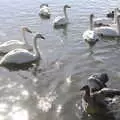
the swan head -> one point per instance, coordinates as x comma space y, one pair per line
26, 29
38, 35
66, 6
43, 5
91, 15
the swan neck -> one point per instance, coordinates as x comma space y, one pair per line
35, 49
91, 23
115, 15
24, 37
65, 13
118, 25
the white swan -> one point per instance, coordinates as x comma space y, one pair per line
98, 22
89, 35
44, 11
109, 31
13, 44
61, 20
22, 56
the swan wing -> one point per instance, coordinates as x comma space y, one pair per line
13, 44
60, 20
17, 56
104, 93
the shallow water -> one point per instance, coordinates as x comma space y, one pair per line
50, 90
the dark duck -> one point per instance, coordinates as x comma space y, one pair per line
94, 104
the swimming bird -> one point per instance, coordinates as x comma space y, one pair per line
62, 20
109, 31
44, 11
13, 44
22, 56
89, 35
98, 81
99, 22
94, 103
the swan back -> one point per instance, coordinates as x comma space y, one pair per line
109, 30
44, 11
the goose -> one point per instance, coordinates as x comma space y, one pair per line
62, 20
94, 104
22, 56
89, 35
109, 31
98, 81
13, 44
44, 11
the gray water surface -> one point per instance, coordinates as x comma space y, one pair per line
50, 90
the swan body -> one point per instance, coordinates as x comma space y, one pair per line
44, 11
13, 44
106, 31
109, 31
22, 56
62, 20
90, 35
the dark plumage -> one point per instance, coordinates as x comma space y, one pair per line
110, 14
94, 103
97, 81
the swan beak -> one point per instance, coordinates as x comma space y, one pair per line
28, 30
69, 6
42, 37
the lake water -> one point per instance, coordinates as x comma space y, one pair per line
50, 90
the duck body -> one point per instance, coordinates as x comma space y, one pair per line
98, 81
44, 11
95, 104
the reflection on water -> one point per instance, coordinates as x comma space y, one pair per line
18, 113
49, 90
